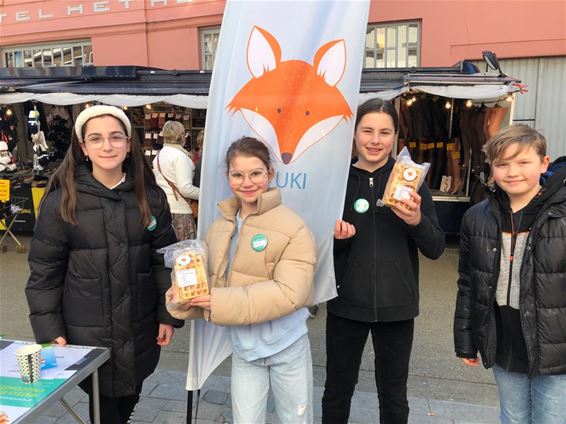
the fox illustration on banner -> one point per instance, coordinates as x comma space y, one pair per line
287, 73
291, 105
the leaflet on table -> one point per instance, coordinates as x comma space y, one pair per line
66, 357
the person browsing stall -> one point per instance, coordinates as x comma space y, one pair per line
96, 278
174, 170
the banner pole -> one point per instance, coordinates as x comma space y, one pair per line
189, 406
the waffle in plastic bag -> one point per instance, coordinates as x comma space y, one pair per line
406, 177
188, 260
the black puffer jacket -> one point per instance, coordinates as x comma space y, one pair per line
377, 270
101, 283
542, 300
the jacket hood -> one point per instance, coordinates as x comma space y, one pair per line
86, 183
266, 201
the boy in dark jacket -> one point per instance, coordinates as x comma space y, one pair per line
511, 304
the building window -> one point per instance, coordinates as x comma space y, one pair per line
392, 45
208, 45
46, 55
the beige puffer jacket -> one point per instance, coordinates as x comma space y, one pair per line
262, 285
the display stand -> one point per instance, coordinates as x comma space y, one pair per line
24, 403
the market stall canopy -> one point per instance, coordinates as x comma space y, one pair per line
137, 86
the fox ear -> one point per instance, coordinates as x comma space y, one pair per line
330, 61
263, 52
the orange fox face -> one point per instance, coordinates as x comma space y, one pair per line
291, 105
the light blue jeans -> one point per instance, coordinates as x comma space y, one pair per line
289, 373
540, 400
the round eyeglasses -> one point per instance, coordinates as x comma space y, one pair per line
256, 176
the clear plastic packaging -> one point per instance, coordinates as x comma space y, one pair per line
188, 260
406, 177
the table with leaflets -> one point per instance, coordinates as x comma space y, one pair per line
23, 403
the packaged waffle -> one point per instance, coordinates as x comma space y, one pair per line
189, 279
406, 177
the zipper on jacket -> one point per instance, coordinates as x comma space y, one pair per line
514, 236
374, 241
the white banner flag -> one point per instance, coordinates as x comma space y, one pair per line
287, 73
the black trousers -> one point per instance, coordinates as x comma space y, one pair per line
112, 410
345, 341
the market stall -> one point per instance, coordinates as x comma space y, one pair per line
446, 114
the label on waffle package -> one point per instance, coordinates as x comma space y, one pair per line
190, 276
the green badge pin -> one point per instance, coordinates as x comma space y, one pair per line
361, 206
259, 242
152, 223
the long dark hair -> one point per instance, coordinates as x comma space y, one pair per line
64, 177
378, 105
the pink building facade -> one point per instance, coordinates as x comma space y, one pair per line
171, 34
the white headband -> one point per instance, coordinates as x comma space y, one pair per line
99, 110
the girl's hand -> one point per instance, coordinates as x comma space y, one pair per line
60, 341
164, 334
343, 230
201, 302
471, 362
410, 210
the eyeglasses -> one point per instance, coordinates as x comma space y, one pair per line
256, 176
97, 140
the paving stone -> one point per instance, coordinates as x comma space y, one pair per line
464, 413
167, 417
216, 397
167, 391
429, 419
176, 406
148, 408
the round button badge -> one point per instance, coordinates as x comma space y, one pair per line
361, 206
152, 223
259, 242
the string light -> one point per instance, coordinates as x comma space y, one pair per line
469, 103
9, 112
414, 99
409, 102
509, 98
125, 107
148, 106
447, 105
87, 105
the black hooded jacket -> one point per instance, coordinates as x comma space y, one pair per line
377, 270
531, 339
101, 283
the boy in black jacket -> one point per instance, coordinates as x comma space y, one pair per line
511, 304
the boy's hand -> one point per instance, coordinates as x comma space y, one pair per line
471, 362
201, 302
164, 334
410, 210
343, 230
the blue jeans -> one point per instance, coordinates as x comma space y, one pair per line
540, 400
289, 373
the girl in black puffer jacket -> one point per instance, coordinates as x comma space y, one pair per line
511, 304
96, 278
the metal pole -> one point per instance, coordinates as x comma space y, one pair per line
189, 406
71, 411
95, 397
